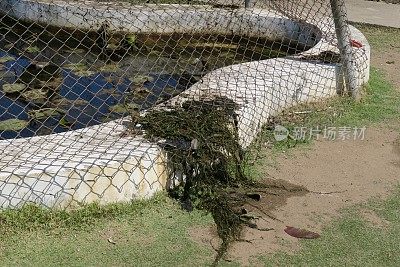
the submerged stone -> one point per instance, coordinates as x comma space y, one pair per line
65, 123
54, 83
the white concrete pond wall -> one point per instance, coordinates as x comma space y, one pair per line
95, 164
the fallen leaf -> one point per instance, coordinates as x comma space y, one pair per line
355, 43
300, 233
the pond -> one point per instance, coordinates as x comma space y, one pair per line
54, 80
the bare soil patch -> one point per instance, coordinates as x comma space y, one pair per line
337, 174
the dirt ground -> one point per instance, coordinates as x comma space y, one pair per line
340, 174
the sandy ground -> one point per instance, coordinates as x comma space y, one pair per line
349, 172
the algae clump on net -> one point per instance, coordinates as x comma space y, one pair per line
201, 141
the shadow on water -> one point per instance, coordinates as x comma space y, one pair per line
69, 79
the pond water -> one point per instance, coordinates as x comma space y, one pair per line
54, 80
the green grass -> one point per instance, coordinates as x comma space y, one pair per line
352, 240
31, 217
381, 103
146, 233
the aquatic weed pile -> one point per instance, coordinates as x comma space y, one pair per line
201, 142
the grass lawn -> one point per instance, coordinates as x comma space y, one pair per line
144, 233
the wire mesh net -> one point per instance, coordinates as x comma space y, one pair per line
78, 77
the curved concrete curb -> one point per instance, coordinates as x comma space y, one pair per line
97, 165
158, 18
264, 88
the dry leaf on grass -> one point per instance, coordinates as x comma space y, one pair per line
300, 233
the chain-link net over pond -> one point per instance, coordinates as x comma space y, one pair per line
113, 101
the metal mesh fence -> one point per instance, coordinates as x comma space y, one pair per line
77, 76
